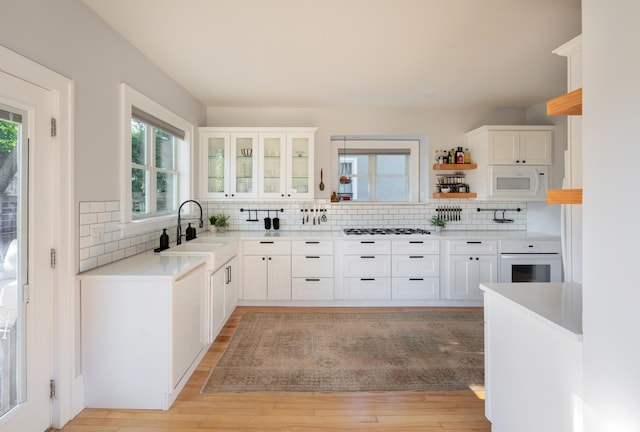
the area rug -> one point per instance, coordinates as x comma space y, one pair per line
353, 352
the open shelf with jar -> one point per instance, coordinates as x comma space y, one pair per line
452, 185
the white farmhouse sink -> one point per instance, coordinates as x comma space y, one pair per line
218, 252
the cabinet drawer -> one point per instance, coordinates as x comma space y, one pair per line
367, 265
473, 247
415, 265
530, 246
407, 247
366, 247
415, 288
312, 289
367, 288
312, 266
312, 247
267, 247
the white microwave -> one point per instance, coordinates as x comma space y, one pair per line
528, 182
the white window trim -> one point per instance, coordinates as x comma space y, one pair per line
413, 145
129, 97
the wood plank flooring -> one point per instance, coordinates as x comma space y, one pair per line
454, 411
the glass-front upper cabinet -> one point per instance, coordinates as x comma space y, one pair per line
244, 166
214, 156
300, 165
272, 165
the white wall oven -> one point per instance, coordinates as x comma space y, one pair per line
530, 261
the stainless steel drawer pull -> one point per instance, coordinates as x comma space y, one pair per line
312, 280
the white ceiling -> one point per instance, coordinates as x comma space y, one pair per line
349, 53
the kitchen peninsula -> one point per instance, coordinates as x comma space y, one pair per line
533, 356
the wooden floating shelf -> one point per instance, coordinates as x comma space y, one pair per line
564, 196
567, 104
455, 195
455, 166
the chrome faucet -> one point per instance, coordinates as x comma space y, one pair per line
190, 232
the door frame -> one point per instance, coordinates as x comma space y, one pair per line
65, 326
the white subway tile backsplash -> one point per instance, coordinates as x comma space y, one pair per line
105, 216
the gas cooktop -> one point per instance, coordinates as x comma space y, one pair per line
384, 231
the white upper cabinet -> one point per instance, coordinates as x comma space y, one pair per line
520, 147
265, 163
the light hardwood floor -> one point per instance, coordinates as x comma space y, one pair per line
451, 411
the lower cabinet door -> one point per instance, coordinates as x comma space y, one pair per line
279, 277
217, 286
404, 288
312, 289
367, 288
255, 277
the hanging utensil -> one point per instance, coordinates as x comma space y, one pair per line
267, 221
321, 180
276, 222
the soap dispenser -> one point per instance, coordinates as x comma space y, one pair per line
164, 240
191, 232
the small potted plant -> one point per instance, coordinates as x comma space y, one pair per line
212, 220
222, 222
438, 223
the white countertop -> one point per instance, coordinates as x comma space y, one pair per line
146, 265
558, 305
445, 235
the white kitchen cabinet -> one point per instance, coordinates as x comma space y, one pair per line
229, 164
513, 147
247, 163
415, 269
224, 296
141, 337
366, 267
469, 263
230, 287
312, 270
267, 270
467, 272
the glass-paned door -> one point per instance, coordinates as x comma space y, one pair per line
272, 166
25, 273
244, 165
300, 165
216, 154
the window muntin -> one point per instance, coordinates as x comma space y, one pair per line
154, 176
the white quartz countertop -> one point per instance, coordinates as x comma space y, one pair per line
558, 305
147, 265
332, 235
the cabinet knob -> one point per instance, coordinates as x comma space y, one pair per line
269, 258
477, 259
262, 258
524, 161
471, 258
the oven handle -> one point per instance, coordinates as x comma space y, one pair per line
533, 255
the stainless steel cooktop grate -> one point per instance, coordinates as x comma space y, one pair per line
384, 231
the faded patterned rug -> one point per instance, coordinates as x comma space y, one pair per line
353, 351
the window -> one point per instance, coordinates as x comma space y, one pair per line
377, 170
156, 160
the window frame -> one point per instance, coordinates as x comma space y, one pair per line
412, 144
184, 159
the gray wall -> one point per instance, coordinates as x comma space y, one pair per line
67, 37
